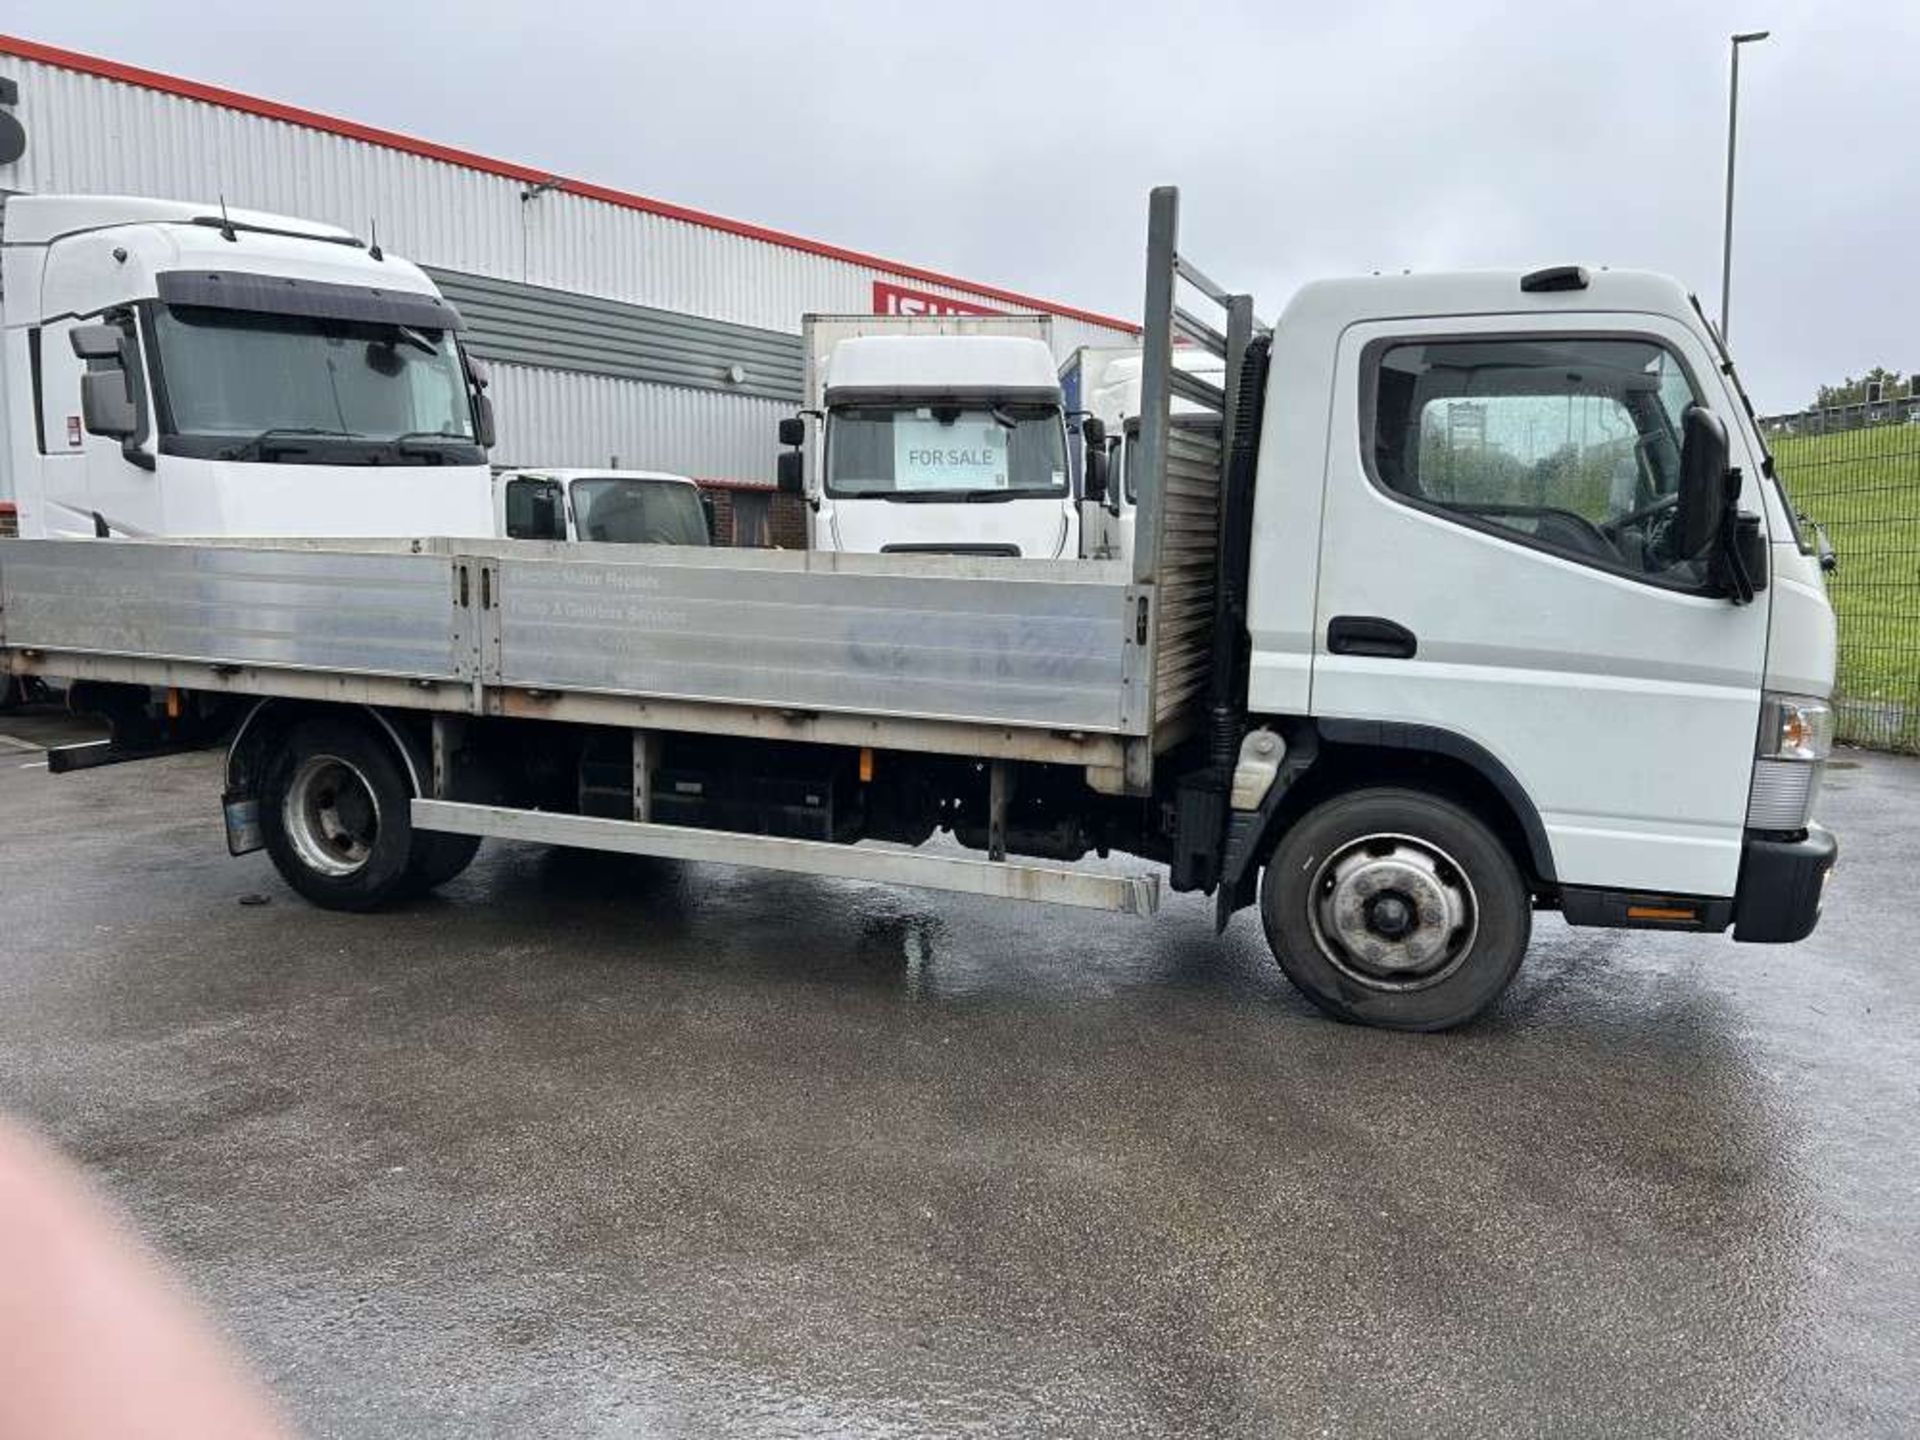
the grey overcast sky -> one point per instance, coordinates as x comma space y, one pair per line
1015, 143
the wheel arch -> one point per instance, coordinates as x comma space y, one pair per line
253, 739
1356, 754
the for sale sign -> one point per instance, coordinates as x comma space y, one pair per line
891, 299
967, 454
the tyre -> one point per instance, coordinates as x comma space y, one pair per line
437, 858
1396, 908
334, 812
11, 692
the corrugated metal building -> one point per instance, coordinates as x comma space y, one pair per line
616, 325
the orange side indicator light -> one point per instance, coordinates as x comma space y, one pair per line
866, 766
1661, 912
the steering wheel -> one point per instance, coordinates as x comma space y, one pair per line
1633, 517
1579, 520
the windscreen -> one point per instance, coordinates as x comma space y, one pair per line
626, 511
241, 384
906, 452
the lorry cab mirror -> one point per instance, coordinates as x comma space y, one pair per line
545, 520
1707, 484
107, 402
483, 420
1707, 524
793, 431
1094, 483
105, 406
1094, 432
97, 342
789, 470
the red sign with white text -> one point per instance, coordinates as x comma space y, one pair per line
891, 299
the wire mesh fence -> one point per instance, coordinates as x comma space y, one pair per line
1855, 472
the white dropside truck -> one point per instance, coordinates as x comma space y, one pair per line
175, 369
1102, 384
1468, 596
622, 507
935, 435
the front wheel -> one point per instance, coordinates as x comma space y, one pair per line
1396, 908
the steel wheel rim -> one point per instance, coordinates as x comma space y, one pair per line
332, 816
1393, 912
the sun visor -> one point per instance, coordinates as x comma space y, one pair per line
315, 299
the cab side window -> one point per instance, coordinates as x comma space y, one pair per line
1567, 444
535, 510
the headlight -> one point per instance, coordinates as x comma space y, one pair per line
1795, 727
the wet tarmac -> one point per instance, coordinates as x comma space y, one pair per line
610, 1147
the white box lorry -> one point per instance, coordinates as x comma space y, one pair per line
933, 435
1470, 596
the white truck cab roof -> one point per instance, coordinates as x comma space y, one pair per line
943, 364
42, 219
1484, 292
160, 236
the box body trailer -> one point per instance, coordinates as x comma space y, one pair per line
1392, 659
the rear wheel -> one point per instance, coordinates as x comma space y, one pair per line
438, 857
334, 815
1396, 908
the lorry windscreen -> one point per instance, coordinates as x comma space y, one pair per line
939, 452
249, 385
628, 511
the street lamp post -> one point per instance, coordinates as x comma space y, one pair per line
1733, 123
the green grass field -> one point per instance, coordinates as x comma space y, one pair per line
1864, 487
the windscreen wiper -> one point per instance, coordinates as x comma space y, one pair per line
274, 439
430, 442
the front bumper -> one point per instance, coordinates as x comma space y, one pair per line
1777, 900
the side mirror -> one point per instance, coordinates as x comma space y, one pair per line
106, 408
545, 515
793, 431
1094, 479
483, 420
1094, 432
97, 342
106, 391
790, 475
1708, 487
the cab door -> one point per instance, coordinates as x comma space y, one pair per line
1500, 562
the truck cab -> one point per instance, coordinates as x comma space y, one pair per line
173, 369
1102, 383
632, 507
934, 439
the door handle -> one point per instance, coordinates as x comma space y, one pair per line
1370, 635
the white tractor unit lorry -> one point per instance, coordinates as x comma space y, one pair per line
178, 369
621, 507
1464, 597
935, 435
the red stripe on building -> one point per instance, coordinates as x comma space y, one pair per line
426, 149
